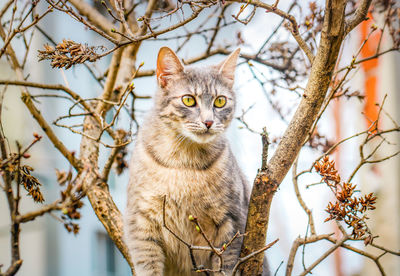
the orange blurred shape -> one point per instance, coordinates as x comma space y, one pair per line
370, 68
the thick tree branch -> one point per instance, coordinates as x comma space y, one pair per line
13, 268
267, 181
359, 16
93, 184
97, 190
27, 100
110, 82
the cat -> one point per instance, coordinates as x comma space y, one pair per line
182, 165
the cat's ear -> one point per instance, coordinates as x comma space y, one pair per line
168, 65
228, 66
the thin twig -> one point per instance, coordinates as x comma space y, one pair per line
299, 197
251, 255
326, 254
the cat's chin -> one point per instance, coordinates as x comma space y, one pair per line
200, 138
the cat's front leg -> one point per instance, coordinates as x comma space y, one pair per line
145, 247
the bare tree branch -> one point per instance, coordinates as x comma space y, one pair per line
359, 16
296, 243
43, 210
326, 254
300, 199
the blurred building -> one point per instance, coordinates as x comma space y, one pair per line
382, 79
377, 80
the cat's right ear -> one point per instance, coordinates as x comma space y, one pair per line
168, 65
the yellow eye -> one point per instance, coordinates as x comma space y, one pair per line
188, 100
220, 101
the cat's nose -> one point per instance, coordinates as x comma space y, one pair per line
208, 123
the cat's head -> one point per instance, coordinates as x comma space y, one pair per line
197, 103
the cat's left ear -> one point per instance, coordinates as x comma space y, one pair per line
228, 66
168, 66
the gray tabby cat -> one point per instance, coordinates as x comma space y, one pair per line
181, 153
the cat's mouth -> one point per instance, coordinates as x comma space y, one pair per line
200, 136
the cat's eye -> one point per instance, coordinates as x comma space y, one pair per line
220, 101
188, 100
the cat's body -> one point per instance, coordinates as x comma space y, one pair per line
182, 155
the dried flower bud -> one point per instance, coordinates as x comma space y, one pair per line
31, 184
348, 208
68, 53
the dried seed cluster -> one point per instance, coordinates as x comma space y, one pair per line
21, 174
31, 184
315, 17
69, 53
347, 208
70, 213
120, 163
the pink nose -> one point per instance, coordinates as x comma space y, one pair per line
208, 123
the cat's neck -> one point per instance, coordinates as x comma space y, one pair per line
173, 150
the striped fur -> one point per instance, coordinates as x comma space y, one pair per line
177, 157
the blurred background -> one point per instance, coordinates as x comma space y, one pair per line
49, 250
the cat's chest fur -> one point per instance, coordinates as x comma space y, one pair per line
192, 190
